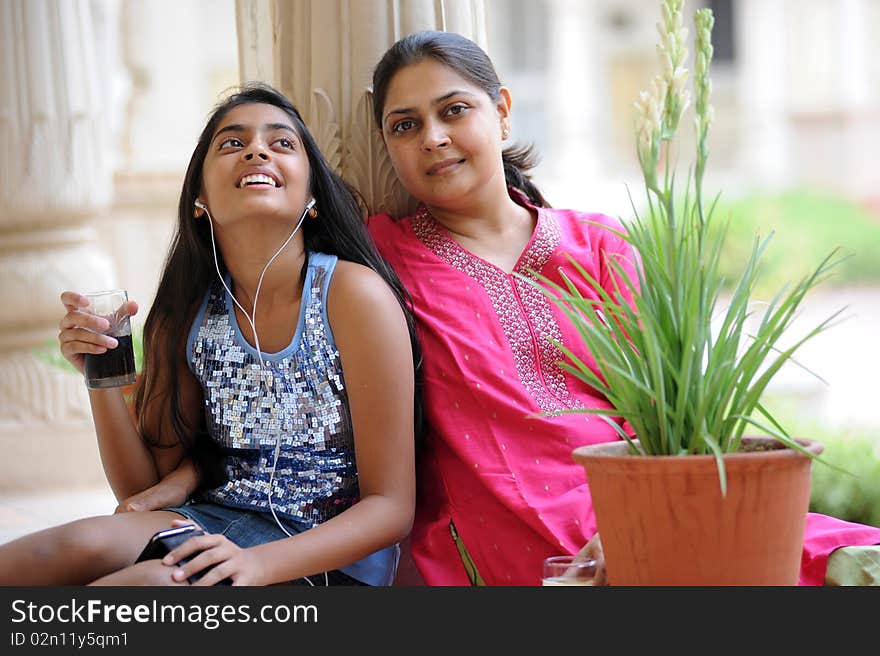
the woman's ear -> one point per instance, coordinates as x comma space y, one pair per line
503, 106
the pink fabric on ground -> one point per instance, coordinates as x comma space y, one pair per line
822, 535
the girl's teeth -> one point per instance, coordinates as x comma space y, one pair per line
257, 178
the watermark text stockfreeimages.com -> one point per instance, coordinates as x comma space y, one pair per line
210, 616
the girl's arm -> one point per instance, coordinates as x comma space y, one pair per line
376, 355
129, 463
173, 490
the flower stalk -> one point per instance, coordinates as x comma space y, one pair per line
686, 375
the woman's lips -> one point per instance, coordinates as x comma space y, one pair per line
446, 166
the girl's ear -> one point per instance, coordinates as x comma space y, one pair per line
198, 208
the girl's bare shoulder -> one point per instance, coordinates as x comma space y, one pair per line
356, 288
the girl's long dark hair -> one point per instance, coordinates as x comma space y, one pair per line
470, 61
189, 270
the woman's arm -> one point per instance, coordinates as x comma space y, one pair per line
129, 463
374, 346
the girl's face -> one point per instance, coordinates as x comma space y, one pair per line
443, 133
255, 165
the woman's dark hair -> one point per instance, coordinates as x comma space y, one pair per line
189, 271
470, 61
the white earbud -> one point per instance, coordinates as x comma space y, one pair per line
310, 204
200, 205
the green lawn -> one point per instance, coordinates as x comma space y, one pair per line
807, 225
853, 496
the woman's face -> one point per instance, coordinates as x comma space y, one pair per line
443, 133
255, 165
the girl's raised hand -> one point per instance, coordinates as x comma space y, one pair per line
77, 334
230, 561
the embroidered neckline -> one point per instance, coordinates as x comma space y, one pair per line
524, 312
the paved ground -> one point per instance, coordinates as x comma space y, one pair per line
847, 357
25, 513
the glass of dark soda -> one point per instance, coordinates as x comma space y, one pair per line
114, 367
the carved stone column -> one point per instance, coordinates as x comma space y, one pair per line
55, 175
322, 55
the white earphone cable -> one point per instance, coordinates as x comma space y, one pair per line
252, 321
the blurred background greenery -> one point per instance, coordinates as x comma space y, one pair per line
852, 494
806, 226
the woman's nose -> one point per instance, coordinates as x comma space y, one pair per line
435, 137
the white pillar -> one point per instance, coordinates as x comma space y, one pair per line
861, 135
55, 175
764, 130
573, 102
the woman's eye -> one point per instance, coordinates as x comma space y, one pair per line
402, 126
231, 142
455, 110
284, 142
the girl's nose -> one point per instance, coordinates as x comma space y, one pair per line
256, 148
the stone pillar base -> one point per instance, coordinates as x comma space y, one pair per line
47, 437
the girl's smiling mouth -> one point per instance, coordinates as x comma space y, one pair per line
258, 178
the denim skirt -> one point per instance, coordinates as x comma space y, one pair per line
248, 528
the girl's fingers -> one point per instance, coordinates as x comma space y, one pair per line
221, 571
74, 300
77, 319
191, 546
84, 336
73, 349
202, 561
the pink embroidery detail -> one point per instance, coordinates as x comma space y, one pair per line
508, 294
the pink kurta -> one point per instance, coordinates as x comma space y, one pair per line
493, 464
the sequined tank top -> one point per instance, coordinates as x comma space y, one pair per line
302, 398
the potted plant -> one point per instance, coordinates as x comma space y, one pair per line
689, 500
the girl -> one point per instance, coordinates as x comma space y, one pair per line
279, 360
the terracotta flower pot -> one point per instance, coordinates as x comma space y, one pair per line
664, 521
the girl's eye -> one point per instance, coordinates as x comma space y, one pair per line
231, 142
284, 142
402, 126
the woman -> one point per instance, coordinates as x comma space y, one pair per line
498, 490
